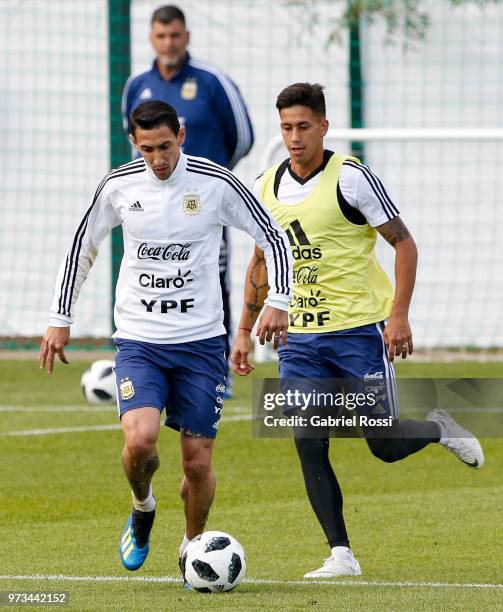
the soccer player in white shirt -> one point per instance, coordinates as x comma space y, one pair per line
168, 311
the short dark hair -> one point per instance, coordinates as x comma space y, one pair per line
304, 94
167, 14
153, 114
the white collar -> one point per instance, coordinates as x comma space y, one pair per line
175, 175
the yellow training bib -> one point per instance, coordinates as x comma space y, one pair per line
338, 282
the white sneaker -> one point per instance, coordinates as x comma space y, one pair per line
458, 440
339, 564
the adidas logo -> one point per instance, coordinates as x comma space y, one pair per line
146, 94
302, 249
136, 207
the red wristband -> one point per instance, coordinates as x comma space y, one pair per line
245, 328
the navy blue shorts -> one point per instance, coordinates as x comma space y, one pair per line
187, 379
358, 355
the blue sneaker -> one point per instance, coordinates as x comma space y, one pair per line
134, 545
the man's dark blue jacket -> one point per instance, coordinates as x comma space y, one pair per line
208, 103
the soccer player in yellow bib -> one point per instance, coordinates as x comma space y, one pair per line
346, 319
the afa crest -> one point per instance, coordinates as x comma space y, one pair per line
191, 204
189, 89
126, 388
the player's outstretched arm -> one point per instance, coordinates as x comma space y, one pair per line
53, 343
256, 288
398, 334
244, 211
97, 222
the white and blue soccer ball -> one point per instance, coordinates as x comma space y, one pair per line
98, 382
214, 561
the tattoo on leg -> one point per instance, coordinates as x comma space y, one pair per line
140, 475
151, 464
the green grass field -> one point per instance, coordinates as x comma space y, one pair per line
426, 530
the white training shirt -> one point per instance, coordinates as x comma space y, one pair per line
359, 186
168, 289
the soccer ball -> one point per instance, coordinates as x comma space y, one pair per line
214, 561
98, 383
